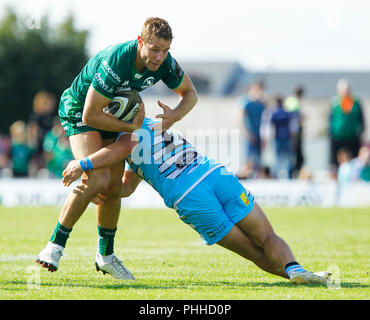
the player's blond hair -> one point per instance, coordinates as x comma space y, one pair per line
156, 27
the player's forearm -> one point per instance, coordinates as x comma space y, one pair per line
106, 156
187, 102
114, 153
101, 120
94, 116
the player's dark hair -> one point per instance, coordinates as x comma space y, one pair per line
156, 27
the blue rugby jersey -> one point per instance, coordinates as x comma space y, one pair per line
168, 162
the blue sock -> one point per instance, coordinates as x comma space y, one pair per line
293, 266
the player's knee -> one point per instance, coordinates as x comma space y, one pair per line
99, 181
114, 189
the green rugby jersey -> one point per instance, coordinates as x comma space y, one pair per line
113, 69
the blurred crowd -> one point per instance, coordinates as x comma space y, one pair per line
280, 120
36, 148
40, 148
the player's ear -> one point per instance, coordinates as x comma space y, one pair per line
140, 40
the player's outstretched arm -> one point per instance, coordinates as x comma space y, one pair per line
188, 99
106, 156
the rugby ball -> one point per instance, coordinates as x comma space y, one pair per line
124, 105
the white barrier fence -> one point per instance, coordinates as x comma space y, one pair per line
269, 193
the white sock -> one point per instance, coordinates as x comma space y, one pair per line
106, 259
55, 246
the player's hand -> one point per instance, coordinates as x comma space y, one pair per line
72, 172
139, 118
169, 117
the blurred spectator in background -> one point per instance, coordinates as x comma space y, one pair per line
293, 105
5, 145
264, 172
21, 151
346, 123
41, 121
57, 150
253, 107
280, 120
353, 169
365, 172
345, 165
360, 163
305, 174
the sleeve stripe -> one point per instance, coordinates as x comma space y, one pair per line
182, 78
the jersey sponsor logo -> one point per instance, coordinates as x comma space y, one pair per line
244, 198
148, 82
114, 75
138, 76
102, 83
123, 87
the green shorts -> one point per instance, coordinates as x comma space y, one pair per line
70, 115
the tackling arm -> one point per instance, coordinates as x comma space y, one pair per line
106, 156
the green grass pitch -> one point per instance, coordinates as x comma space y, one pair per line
170, 261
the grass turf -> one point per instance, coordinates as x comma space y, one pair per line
170, 261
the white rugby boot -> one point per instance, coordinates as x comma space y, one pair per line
299, 277
49, 257
115, 267
324, 274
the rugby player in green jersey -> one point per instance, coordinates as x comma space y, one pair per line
136, 64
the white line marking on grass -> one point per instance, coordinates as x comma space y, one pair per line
16, 258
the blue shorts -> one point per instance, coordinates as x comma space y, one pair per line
215, 205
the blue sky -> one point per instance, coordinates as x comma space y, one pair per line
262, 35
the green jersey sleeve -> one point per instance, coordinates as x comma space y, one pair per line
107, 79
174, 73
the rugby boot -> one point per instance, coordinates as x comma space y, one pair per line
115, 268
49, 257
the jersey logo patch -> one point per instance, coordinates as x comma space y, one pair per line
148, 82
244, 198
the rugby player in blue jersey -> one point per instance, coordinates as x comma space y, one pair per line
205, 195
